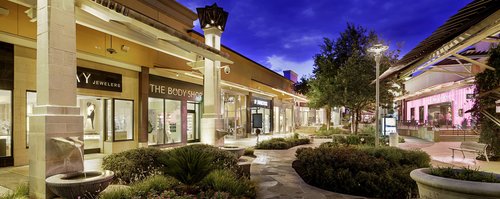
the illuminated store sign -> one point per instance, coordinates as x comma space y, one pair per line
174, 89
257, 102
98, 80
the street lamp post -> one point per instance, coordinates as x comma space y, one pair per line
377, 51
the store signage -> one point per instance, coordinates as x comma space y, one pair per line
257, 102
98, 80
162, 87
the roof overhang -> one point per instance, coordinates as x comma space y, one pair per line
436, 89
488, 27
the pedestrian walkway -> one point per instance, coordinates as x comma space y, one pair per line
272, 171
441, 155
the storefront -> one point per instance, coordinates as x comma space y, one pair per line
260, 111
234, 113
282, 113
6, 103
106, 118
446, 109
173, 111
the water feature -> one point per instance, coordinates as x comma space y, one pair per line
81, 184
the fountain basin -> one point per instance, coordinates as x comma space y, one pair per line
238, 151
86, 184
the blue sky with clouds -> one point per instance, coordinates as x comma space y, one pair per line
285, 34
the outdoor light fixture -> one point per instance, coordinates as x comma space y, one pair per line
377, 51
212, 16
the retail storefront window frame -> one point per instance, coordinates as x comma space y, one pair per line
11, 133
113, 123
27, 116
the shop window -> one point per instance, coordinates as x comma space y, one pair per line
164, 118
98, 114
30, 105
123, 120
421, 114
5, 123
412, 114
193, 122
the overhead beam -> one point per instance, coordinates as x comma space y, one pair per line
118, 30
485, 28
482, 65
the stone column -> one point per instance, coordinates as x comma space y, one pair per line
211, 120
56, 114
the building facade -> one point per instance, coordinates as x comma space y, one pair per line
137, 85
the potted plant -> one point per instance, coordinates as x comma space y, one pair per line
456, 183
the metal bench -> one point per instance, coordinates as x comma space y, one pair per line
472, 147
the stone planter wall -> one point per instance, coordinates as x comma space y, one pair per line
435, 187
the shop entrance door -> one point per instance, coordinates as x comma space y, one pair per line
6, 147
191, 126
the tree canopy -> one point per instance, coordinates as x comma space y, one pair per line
343, 72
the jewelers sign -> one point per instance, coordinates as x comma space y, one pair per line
162, 87
98, 80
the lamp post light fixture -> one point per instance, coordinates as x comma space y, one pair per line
377, 50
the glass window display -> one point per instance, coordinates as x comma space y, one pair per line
123, 120
30, 104
193, 120
164, 118
5, 123
92, 110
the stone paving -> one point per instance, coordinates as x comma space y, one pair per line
272, 171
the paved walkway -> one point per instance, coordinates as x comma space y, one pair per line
441, 155
272, 171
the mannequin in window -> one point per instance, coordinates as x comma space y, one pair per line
91, 113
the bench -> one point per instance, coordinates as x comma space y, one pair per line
472, 147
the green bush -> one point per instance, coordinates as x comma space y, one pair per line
116, 194
465, 174
249, 151
20, 192
221, 159
381, 172
153, 185
133, 165
332, 131
227, 181
282, 143
187, 164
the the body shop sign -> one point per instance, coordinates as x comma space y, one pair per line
174, 89
98, 80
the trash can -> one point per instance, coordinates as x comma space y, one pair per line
393, 139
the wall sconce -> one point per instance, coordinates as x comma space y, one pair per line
4, 11
125, 48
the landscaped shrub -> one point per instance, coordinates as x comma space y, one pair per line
20, 192
153, 185
465, 174
227, 181
249, 152
282, 143
187, 164
332, 131
133, 165
372, 172
221, 159
116, 194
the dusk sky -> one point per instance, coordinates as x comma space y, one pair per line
286, 34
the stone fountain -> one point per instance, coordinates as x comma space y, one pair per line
80, 184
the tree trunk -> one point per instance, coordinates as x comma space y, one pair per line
328, 114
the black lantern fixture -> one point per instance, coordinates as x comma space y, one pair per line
212, 16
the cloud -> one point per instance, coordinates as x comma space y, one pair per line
305, 40
309, 12
280, 63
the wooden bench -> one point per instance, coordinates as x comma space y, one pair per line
472, 147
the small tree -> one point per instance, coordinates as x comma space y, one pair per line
485, 102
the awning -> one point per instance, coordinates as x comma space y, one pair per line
120, 21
